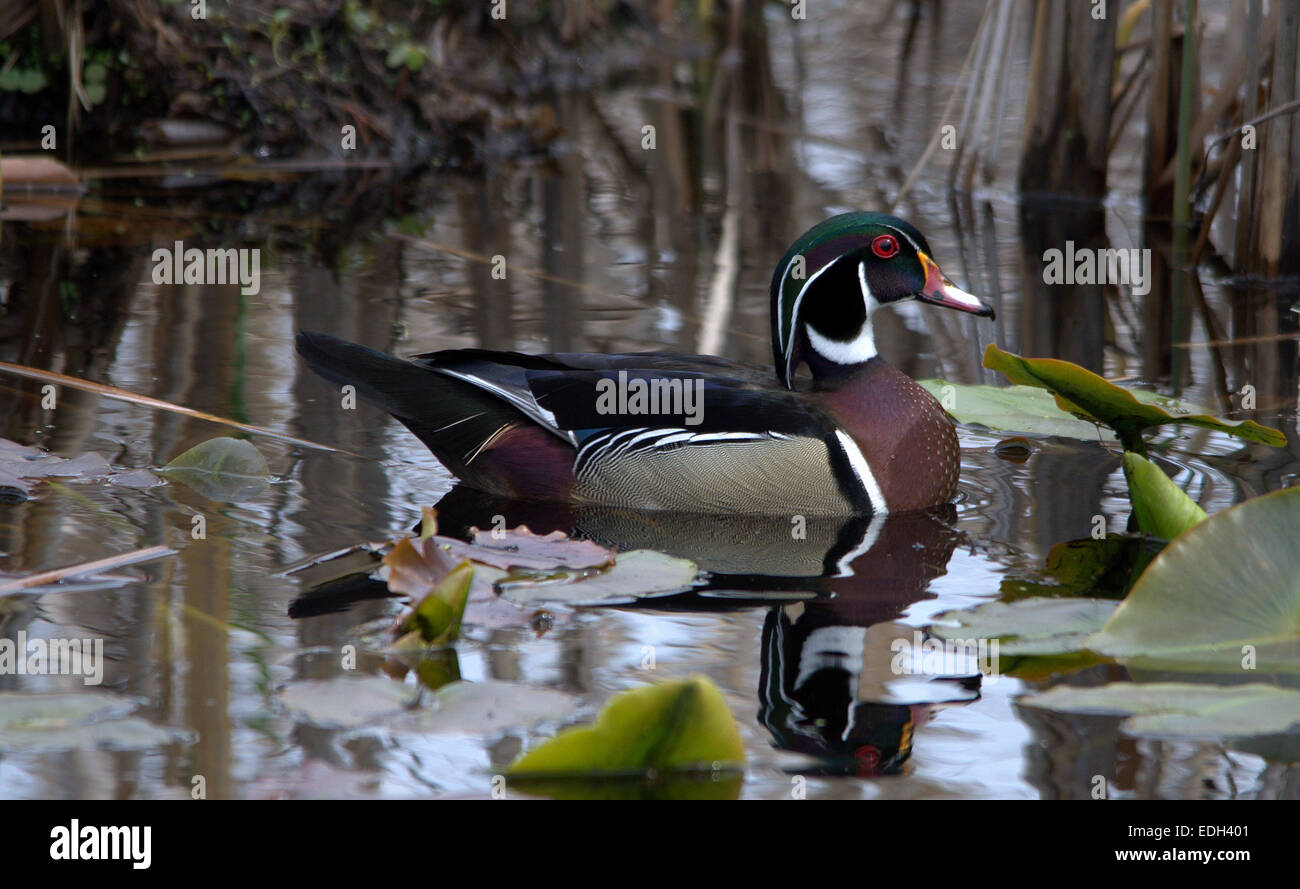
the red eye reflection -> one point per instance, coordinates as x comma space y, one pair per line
884, 246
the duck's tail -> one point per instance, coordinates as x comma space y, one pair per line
454, 419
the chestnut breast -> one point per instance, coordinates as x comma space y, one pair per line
907, 437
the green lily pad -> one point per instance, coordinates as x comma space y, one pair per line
1179, 709
77, 721
480, 709
1031, 410
1091, 397
226, 469
1161, 508
346, 701
634, 575
1024, 409
1030, 626
677, 725
1231, 581
488, 708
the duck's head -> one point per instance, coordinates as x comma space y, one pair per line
839, 272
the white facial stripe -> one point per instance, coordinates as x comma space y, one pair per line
787, 341
907, 237
863, 471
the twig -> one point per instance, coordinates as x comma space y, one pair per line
97, 567
49, 376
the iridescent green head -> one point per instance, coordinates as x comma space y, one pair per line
839, 272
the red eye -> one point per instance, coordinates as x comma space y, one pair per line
884, 246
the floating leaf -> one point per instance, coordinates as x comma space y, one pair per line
521, 548
346, 701
32, 712
681, 724
491, 707
1091, 397
1231, 581
1031, 410
634, 575
1160, 507
22, 466
227, 469
480, 709
1181, 710
1031, 626
77, 721
1011, 409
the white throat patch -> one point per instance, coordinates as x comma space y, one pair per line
861, 348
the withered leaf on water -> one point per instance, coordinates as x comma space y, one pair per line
521, 548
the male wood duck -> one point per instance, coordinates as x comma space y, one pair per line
699, 433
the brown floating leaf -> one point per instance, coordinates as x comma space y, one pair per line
21, 466
521, 548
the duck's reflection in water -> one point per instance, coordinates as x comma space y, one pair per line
836, 681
